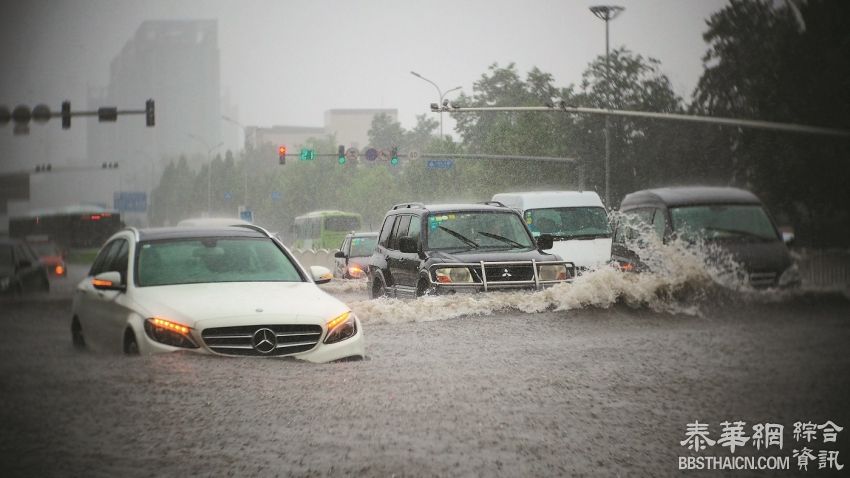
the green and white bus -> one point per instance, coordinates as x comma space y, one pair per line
324, 229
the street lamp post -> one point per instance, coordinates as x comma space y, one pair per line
442, 95
209, 167
244, 157
607, 13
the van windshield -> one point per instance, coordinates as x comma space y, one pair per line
723, 221
569, 222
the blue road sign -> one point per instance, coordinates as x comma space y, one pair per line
440, 163
276, 196
247, 215
228, 196
130, 201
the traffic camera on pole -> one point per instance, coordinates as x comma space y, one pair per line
281, 153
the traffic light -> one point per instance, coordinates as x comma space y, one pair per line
281, 153
394, 157
150, 113
341, 154
66, 115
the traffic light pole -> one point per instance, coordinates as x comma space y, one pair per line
747, 123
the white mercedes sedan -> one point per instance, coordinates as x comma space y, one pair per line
234, 291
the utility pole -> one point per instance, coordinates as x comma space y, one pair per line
607, 13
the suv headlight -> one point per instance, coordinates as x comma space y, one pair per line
341, 327
169, 333
448, 275
552, 272
791, 276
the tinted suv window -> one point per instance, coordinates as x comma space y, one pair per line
386, 229
400, 230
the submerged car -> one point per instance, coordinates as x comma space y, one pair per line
433, 249
51, 256
352, 259
233, 291
20, 272
733, 219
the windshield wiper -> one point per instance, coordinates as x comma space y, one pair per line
737, 232
503, 239
460, 236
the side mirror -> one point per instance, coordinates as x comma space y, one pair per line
545, 241
108, 281
408, 245
321, 275
788, 235
339, 255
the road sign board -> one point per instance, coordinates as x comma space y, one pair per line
385, 155
130, 201
413, 154
276, 196
352, 154
246, 215
228, 195
441, 163
371, 154
307, 154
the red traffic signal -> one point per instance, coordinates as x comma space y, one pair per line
281, 153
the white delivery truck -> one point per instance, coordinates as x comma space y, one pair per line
577, 220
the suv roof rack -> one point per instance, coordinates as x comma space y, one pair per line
411, 205
493, 203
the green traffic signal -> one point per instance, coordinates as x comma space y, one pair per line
341, 160
394, 157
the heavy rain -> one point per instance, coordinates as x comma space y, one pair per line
482, 238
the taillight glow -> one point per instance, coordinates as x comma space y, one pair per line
627, 266
169, 325
355, 272
59, 270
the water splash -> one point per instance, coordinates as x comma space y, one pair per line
682, 278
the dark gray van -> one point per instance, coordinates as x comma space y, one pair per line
734, 219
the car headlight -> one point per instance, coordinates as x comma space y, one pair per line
169, 333
449, 275
791, 276
552, 272
356, 272
341, 327
5, 282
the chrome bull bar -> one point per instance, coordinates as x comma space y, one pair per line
481, 269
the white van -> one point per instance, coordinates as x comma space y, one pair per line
576, 219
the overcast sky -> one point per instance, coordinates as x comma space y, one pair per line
287, 62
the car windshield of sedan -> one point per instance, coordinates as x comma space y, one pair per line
723, 221
212, 259
569, 222
477, 230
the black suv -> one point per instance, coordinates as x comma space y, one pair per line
450, 247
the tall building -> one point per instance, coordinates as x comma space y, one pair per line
176, 63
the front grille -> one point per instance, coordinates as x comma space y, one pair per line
290, 339
509, 273
763, 279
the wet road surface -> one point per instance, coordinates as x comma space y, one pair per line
595, 392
